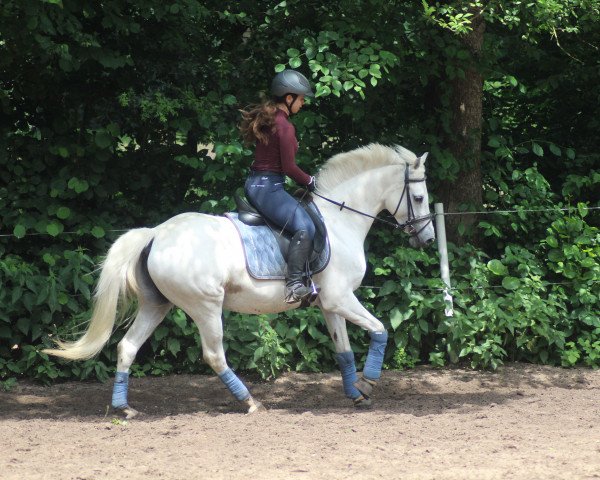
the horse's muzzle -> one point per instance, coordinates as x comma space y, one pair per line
421, 232
423, 237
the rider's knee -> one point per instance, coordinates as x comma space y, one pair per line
309, 227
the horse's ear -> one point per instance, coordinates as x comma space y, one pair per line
420, 159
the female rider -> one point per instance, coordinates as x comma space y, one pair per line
267, 125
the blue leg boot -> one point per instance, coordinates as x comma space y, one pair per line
372, 370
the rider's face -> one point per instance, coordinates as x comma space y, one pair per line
297, 105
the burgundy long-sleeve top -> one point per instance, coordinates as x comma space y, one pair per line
279, 155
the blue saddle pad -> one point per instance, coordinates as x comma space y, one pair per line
264, 260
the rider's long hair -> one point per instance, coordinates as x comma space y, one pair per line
258, 122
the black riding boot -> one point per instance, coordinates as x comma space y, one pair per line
300, 248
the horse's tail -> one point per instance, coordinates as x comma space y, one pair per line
118, 281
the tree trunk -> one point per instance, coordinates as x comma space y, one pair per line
465, 140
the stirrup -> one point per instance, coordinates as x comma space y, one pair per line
297, 292
312, 296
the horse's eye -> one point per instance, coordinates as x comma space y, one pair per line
419, 198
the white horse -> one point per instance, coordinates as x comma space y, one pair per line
196, 261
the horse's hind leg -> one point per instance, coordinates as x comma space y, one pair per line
148, 317
207, 317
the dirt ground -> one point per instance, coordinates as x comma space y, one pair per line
521, 422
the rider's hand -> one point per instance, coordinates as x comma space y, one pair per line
312, 185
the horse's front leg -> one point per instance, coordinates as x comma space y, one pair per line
350, 308
345, 357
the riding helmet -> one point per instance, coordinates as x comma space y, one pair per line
291, 81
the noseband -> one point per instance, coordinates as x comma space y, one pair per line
407, 226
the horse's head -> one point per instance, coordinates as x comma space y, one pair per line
409, 203
379, 177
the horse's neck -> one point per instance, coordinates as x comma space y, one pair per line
365, 192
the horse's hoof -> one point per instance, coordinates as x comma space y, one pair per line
362, 402
256, 407
364, 386
130, 413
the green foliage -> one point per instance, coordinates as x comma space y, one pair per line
545, 304
401, 360
271, 344
122, 114
456, 18
34, 301
536, 304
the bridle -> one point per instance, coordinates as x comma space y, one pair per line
409, 225
412, 219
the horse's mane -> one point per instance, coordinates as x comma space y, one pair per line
343, 166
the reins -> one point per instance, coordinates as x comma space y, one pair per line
411, 215
343, 206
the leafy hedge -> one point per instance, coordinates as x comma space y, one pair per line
105, 106
537, 305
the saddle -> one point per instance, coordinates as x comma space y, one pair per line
266, 245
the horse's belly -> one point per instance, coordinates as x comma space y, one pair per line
247, 295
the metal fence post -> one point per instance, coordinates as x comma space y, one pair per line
440, 227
